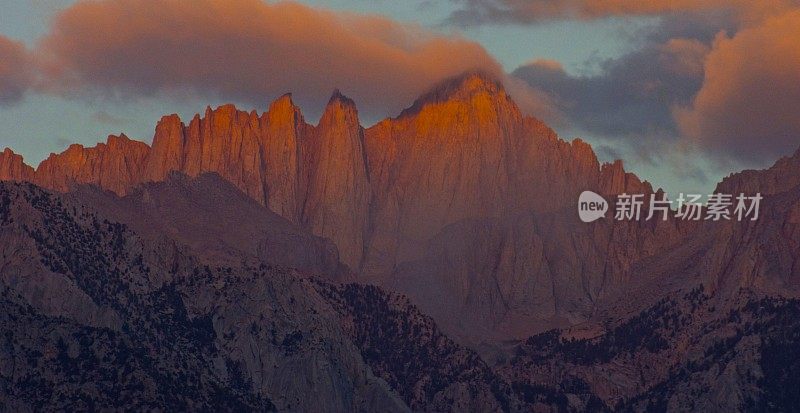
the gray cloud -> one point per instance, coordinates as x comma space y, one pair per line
474, 12
632, 96
16, 71
707, 82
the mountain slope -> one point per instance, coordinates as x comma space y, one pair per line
219, 223
217, 336
707, 324
87, 301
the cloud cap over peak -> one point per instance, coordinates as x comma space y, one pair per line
249, 50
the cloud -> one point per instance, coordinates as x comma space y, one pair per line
107, 118
702, 82
533, 11
746, 109
632, 96
249, 51
16, 71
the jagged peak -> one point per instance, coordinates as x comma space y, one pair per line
9, 152
121, 138
228, 109
13, 167
171, 119
340, 104
282, 103
460, 87
72, 148
283, 109
113, 142
337, 96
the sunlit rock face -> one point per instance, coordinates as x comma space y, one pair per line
387, 196
13, 168
225, 141
337, 198
115, 165
464, 150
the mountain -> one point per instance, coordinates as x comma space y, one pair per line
431, 262
217, 222
12, 167
336, 204
709, 323
461, 152
488, 281
685, 353
115, 165
96, 315
781, 177
411, 202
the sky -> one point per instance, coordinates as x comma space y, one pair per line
684, 91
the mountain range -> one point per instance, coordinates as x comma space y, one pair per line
432, 262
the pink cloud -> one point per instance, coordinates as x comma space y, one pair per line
249, 50
16, 70
747, 107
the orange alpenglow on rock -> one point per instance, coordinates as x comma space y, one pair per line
13, 168
462, 150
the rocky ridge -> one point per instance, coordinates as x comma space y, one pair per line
96, 315
388, 194
463, 150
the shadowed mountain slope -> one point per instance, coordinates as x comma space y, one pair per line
708, 324
99, 316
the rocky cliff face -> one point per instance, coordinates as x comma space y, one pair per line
336, 203
225, 141
115, 165
465, 151
461, 151
460, 196
13, 168
704, 324
282, 133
